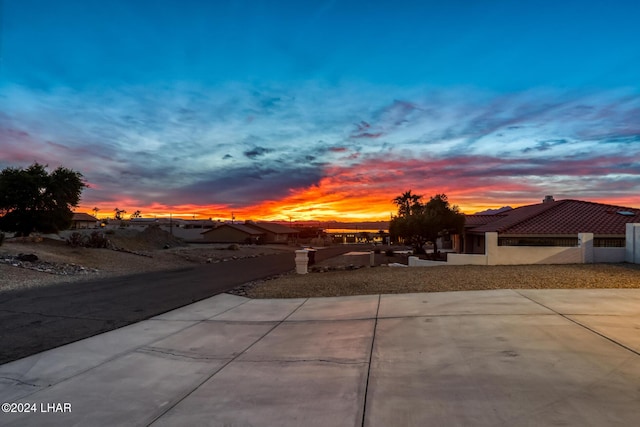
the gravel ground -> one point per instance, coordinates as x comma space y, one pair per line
393, 280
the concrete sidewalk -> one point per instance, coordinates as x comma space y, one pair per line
484, 358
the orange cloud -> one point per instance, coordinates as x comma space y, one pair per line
365, 191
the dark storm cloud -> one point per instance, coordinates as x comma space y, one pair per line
256, 152
246, 186
546, 145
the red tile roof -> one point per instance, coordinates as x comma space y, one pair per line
476, 220
561, 217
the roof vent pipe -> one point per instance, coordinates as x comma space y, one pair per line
548, 199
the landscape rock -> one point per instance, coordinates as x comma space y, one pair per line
27, 257
33, 263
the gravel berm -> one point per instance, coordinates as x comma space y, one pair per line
394, 280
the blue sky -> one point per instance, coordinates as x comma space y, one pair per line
208, 106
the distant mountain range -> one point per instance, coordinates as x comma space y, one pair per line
494, 211
362, 225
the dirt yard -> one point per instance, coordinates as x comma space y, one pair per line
132, 252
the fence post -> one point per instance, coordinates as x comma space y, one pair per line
585, 243
491, 249
632, 243
302, 260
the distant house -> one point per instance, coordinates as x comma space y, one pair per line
233, 233
83, 220
274, 233
143, 222
198, 223
562, 231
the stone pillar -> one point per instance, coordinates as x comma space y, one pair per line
491, 248
302, 260
585, 242
372, 259
632, 243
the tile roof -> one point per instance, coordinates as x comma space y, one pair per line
81, 216
562, 217
240, 227
476, 220
273, 227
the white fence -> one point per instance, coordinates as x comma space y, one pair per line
584, 253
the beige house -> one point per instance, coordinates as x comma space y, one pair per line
274, 233
552, 232
83, 220
233, 233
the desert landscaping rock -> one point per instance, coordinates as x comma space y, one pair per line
62, 269
130, 252
386, 280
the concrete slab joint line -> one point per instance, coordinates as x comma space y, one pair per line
207, 378
373, 342
618, 343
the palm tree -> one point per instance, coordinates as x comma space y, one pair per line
119, 213
408, 203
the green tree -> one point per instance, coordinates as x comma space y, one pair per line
32, 199
426, 222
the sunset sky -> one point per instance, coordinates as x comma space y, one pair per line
324, 109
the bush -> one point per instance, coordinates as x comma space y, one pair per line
75, 240
233, 247
389, 252
377, 251
95, 240
1, 238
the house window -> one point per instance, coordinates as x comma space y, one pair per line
538, 241
609, 242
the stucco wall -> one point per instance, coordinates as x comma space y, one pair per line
466, 259
513, 255
584, 253
608, 254
632, 250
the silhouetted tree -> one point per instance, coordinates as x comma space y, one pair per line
119, 213
407, 203
32, 199
426, 222
136, 214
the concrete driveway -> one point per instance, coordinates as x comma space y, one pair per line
484, 358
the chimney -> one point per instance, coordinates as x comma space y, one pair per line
548, 199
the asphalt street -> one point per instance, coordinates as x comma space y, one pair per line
38, 319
